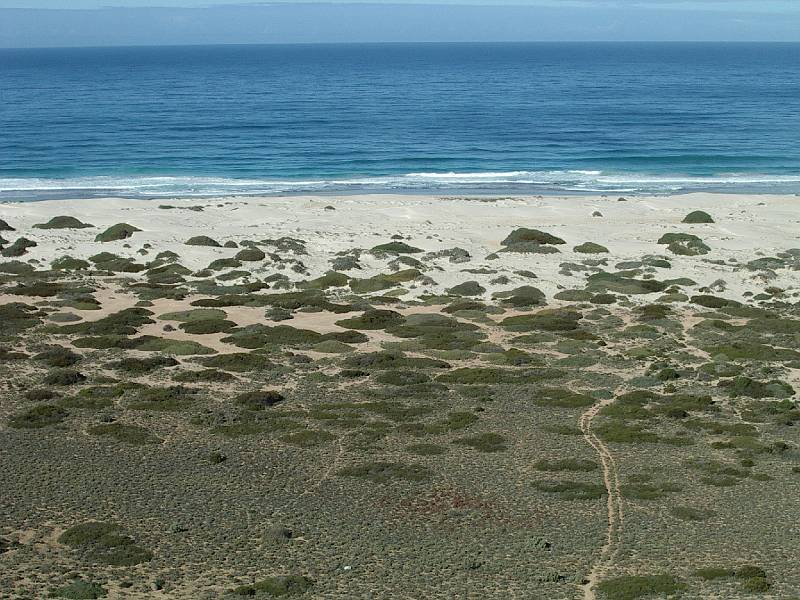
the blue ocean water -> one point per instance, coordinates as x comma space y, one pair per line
443, 118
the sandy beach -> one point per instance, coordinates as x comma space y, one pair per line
745, 228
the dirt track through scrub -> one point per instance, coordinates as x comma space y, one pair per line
615, 515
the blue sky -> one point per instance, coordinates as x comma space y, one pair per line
33, 23
788, 6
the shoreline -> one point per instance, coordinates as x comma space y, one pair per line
482, 195
444, 194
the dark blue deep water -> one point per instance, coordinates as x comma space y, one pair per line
532, 118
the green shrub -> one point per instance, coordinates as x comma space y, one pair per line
308, 438
103, 543
402, 378
18, 248
259, 400
62, 222
58, 356
689, 513
590, 248
649, 491
383, 281
284, 585
67, 263
80, 590
561, 398
329, 280
467, 288
523, 234
120, 231
250, 255
426, 449
64, 377
395, 248
684, 244
140, 366
129, 434
203, 240
37, 417
207, 326
372, 320
197, 314
698, 216
383, 472
631, 587
545, 320
124, 322
239, 362
204, 376
571, 490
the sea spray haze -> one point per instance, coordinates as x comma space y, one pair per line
621, 118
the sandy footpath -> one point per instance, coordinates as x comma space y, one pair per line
746, 227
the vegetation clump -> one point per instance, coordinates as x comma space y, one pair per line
140, 366
523, 234
698, 216
64, 377
684, 244
590, 248
274, 587
251, 254
18, 248
383, 472
632, 587
239, 362
44, 415
58, 356
395, 248
120, 231
128, 434
572, 490
260, 400
104, 543
556, 319
62, 222
203, 240
467, 288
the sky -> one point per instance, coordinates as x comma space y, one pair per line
43, 23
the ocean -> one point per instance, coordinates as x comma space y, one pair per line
528, 118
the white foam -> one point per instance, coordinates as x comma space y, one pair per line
581, 181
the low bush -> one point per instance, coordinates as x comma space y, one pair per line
120, 231
259, 400
80, 590
62, 222
631, 587
283, 585
104, 543
58, 356
571, 490
37, 417
128, 434
484, 442
383, 472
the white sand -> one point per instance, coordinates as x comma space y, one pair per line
746, 227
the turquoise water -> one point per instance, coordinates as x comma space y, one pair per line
442, 118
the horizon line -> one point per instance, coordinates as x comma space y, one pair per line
411, 43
